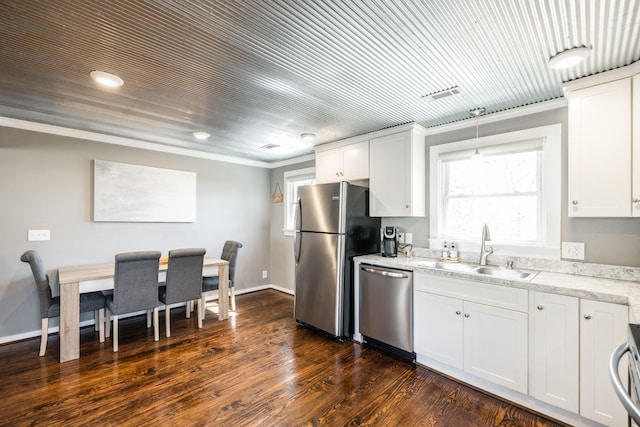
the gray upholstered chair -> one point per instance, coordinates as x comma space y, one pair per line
210, 284
135, 288
184, 282
50, 305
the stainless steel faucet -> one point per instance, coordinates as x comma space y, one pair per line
485, 250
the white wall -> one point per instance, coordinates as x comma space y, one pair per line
46, 183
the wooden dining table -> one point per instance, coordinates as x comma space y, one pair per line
78, 279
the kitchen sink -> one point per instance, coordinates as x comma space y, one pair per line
506, 273
501, 273
455, 267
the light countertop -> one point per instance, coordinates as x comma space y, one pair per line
611, 290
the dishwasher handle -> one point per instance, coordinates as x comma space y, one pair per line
387, 273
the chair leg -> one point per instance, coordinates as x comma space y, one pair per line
115, 333
232, 292
167, 320
107, 323
149, 318
100, 322
44, 335
156, 331
200, 312
188, 308
204, 305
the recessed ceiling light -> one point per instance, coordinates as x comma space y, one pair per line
568, 58
106, 79
200, 135
308, 136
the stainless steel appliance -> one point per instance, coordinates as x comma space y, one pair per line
332, 226
389, 237
629, 399
386, 307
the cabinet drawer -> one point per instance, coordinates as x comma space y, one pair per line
483, 293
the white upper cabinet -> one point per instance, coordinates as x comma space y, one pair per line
600, 150
397, 174
345, 163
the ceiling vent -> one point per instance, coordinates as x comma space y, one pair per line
269, 146
442, 94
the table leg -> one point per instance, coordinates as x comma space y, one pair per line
69, 321
223, 292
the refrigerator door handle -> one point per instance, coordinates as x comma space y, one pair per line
296, 238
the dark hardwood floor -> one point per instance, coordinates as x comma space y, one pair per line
258, 369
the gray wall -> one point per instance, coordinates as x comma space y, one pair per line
607, 240
282, 266
46, 183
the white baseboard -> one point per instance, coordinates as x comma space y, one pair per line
210, 296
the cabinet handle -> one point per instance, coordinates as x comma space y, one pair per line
540, 307
337, 173
587, 316
466, 315
406, 206
636, 200
575, 202
458, 312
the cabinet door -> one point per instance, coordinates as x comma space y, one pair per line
555, 364
390, 162
600, 150
355, 161
602, 329
636, 147
496, 345
328, 166
437, 328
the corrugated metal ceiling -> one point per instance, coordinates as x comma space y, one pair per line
253, 73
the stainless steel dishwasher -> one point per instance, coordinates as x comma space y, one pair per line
386, 306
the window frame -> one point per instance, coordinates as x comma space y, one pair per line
549, 137
291, 177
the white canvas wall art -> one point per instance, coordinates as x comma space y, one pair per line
131, 193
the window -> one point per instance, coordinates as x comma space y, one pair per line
514, 189
293, 180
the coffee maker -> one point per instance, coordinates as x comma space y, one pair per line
389, 241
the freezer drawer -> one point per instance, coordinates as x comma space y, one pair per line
386, 306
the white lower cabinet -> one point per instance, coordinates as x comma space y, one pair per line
552, 347
555, 347
439, 328
602, 328
484, 340
495, 345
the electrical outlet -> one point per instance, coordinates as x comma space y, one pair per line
264, 274
573, 250
34, 235
408, 238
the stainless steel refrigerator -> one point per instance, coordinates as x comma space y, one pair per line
332, 226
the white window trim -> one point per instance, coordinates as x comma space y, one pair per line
551, 189
287, 176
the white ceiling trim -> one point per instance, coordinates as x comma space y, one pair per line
126, 142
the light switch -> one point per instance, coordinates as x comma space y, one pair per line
35, 235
